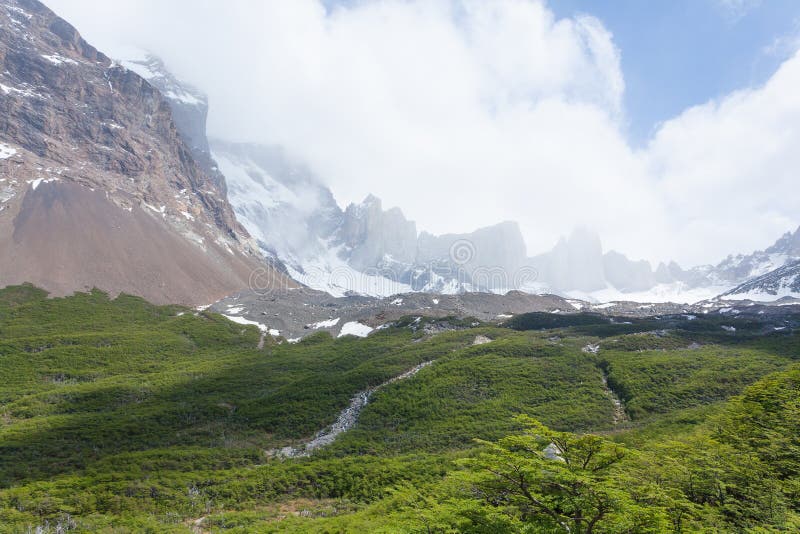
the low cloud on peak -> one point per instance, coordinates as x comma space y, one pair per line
465, 113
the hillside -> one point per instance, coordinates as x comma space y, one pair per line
118, 414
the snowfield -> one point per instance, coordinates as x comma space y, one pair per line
676, 292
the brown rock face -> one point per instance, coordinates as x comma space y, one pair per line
97, 188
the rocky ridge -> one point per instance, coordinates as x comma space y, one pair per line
782, 283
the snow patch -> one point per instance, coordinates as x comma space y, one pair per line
6, 151
677, 292
183, 97
578, 305
55, 59
21, 92
247, 322
18, 11
35, 183
325, 324
763, 296
354, 328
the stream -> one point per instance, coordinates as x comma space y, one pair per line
346, 420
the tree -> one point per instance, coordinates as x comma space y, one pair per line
560, 482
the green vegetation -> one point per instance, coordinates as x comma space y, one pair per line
120, 416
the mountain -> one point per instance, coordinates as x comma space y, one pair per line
490, 258
366, 249
782, 282
735, 269
363, 248
279, 201
98, 187
376, 238
578, 267
574, 264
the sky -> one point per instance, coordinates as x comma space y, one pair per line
670, 127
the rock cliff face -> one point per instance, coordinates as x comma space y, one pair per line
627, 275
374, 238
575, 263
490, 258
188, 104
92, 161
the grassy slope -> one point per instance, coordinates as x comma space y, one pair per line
135, 416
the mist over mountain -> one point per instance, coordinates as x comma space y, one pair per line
364, 248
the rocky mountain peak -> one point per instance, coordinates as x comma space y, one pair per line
374, 237
780, 283
788, 244
75, 123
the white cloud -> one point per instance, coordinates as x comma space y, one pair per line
728, 170
465, 113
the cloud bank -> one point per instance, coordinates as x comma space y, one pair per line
466, 113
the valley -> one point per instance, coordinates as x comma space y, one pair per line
120, 414
211, 334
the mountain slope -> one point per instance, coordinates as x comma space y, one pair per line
782, 282
97, 186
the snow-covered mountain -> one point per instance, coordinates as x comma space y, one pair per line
578, 267
362, 248
366, 249
369, 250
735, 269
289, 212
781, 283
